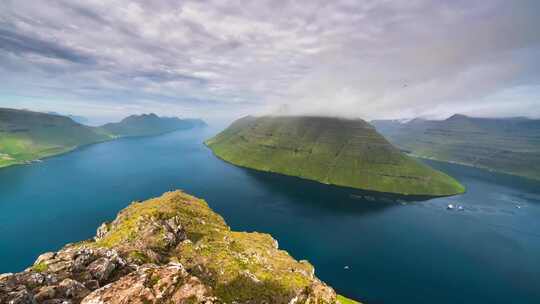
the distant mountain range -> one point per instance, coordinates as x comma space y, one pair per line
150, 124
28, 136
76, 118
341, 152
508, 145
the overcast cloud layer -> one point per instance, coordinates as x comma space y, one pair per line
369, 59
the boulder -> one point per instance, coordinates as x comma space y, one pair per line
102, 231
153, 284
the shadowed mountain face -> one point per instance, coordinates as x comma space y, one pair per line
509, 145
27, 135
328, 150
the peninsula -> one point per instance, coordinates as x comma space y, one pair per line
342, 152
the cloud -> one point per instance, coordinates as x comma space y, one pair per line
370, 59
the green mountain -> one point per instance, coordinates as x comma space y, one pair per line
26, 136
171, 249
150, 124
328, 150
508, 145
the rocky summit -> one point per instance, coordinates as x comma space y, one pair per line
171, 249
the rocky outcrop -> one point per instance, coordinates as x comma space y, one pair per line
172, 249
64, 277
154, 284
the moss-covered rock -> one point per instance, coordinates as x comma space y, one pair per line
341, 152
171, 249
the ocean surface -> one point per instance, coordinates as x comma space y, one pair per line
396, 251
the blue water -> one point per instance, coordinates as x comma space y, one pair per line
414, 252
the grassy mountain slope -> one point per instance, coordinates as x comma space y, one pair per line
27, 135
328, 150
508, 145
171, 249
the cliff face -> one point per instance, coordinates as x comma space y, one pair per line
328, 150
171, 249
508, 145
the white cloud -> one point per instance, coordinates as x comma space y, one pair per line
367, 59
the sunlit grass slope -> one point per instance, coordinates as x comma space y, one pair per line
328, 150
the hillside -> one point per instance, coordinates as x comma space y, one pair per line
27, 136
508, 145
150, 124
328, 150
171, 249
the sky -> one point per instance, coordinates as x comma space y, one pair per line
220, 60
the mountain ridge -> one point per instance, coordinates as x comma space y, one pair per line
508, 145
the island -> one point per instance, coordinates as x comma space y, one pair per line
342, 152
506, 145
27, 136
170, 249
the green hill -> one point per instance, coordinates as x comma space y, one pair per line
328, 150
508, 145
26, 136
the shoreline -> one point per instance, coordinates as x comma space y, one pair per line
473, 166
404, 195
73, 149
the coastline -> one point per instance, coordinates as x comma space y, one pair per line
474, 166
75, 148
406, 195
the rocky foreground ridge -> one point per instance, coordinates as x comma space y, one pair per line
171, 249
